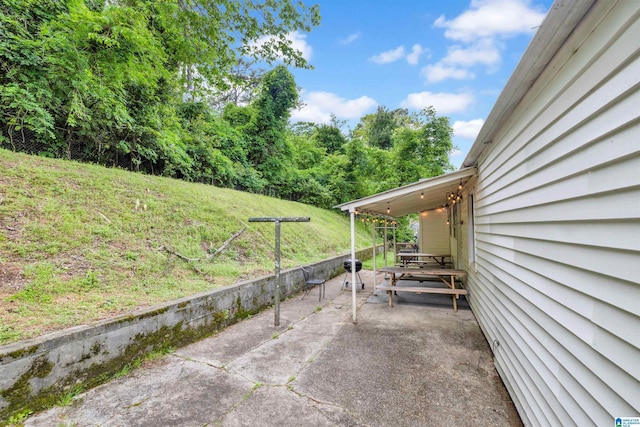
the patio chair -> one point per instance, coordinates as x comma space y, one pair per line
311, 281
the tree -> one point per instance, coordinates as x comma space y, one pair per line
377, 129
329, 137
242, 86
423, 151
205, 39
24, 92
306, 152
269, 151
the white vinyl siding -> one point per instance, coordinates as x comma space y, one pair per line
556, 285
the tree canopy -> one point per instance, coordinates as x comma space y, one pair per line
108, 75
171, 87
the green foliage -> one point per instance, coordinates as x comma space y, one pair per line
329, 137
306, 152
104, 81
419, 147
377, 129
269, 151
24, 89
20, 417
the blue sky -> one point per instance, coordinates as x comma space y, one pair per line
455, 55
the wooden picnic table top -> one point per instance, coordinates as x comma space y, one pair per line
423, 271
417, 254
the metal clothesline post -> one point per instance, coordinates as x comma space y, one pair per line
278, 220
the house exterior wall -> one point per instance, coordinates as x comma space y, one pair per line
434, 232
554, 279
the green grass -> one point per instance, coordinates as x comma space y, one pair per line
81, 242
368, 264
67, 398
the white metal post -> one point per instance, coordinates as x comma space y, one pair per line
375, 254
385, 242
353, 264
395, 249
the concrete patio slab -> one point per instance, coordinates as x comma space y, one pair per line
416, 364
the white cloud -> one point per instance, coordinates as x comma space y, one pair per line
444, 103
415, 54
350, 38
488, 18
439, 72
468, 129
482, 52
298, 42
479, 29
455, 153
388, 56
318, 107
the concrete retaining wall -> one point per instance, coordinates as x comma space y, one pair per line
34, 374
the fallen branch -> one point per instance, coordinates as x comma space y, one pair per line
208, 257
225, 244
104, 217
178, 254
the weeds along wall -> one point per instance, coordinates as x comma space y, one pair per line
36, 373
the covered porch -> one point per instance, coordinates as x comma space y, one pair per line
438, 202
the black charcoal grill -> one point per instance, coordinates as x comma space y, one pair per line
347, 266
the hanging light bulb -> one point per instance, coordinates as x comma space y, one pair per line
388, 209
460, 185
422, 194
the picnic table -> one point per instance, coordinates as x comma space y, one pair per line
406, 258
446, 275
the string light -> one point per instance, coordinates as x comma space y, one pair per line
388, 209
422, 194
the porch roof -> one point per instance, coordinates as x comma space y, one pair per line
426, 194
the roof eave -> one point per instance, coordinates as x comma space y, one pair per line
560, 22
420, 186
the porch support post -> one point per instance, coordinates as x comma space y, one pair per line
395, 249
375, 254
385, 242
353, 264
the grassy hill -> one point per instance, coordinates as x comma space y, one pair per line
81, 242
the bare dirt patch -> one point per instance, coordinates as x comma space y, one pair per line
11, 279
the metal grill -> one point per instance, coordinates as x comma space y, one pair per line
347, 267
